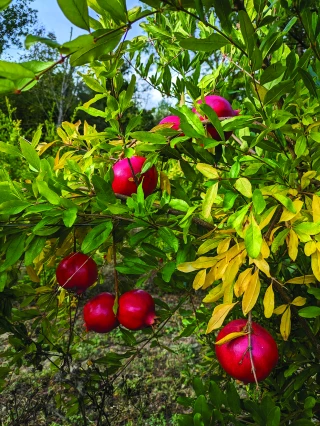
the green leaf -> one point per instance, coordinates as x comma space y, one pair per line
6, 86
92, 83
273, 72
103, 189
70, 216
169, 238
34, 249
233, 399
14, 71
279, 240
9, 149
3, 280
247, 32
300, 146
167, 271
13, 207
76, 11
97, 236
274, 94
211, 114
149, 137
223, 11
108, 40
308, 81
4, 4
30, 154
253, 238
286, 202
309, 312
210, 44
32, 39
259, 202
14, 251
216, 395
243, 185
47, 193
209, 200
201, 407
116, 8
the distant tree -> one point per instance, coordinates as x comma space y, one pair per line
16, 21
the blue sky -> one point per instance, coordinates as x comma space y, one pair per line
52, 18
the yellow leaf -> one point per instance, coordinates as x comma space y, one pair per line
230, 336
287, 215
315, 264
210, 278
273, 232
43, 147
299, 301
218, 316
280, 309
207, 170
243, 185
165, 183
220, 269
251, 294
223, 245
204, 262
186, 267
268, 302
265, 251
310, 247
232, 252
306, 178
267, 218
316, 208
207, 246
32, 274
285, 325
292, 243
242, 282
209, 200
214, 294
304, 279
262, 265
61, 297
199, 279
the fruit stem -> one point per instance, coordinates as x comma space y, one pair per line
116, 280
249, 329
136, 181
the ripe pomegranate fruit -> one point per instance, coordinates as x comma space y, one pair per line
98, 313
136, 310
234, 356
77, 272
222, 108
124, 182
173, 119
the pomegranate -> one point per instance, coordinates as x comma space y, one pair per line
234, 356
136, 310
124, 181
77, 272
173, 119
222, 108
98, 313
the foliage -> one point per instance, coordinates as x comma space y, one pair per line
237, 219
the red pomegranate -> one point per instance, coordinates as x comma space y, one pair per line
124, 182
98, 313
222, 108
136, 310
173, 119
234, 355
77, 272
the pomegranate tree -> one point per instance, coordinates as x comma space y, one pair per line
136, 310
98, 313
234, 356
127, 174
77, 272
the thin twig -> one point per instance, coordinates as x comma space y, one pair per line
249, 329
